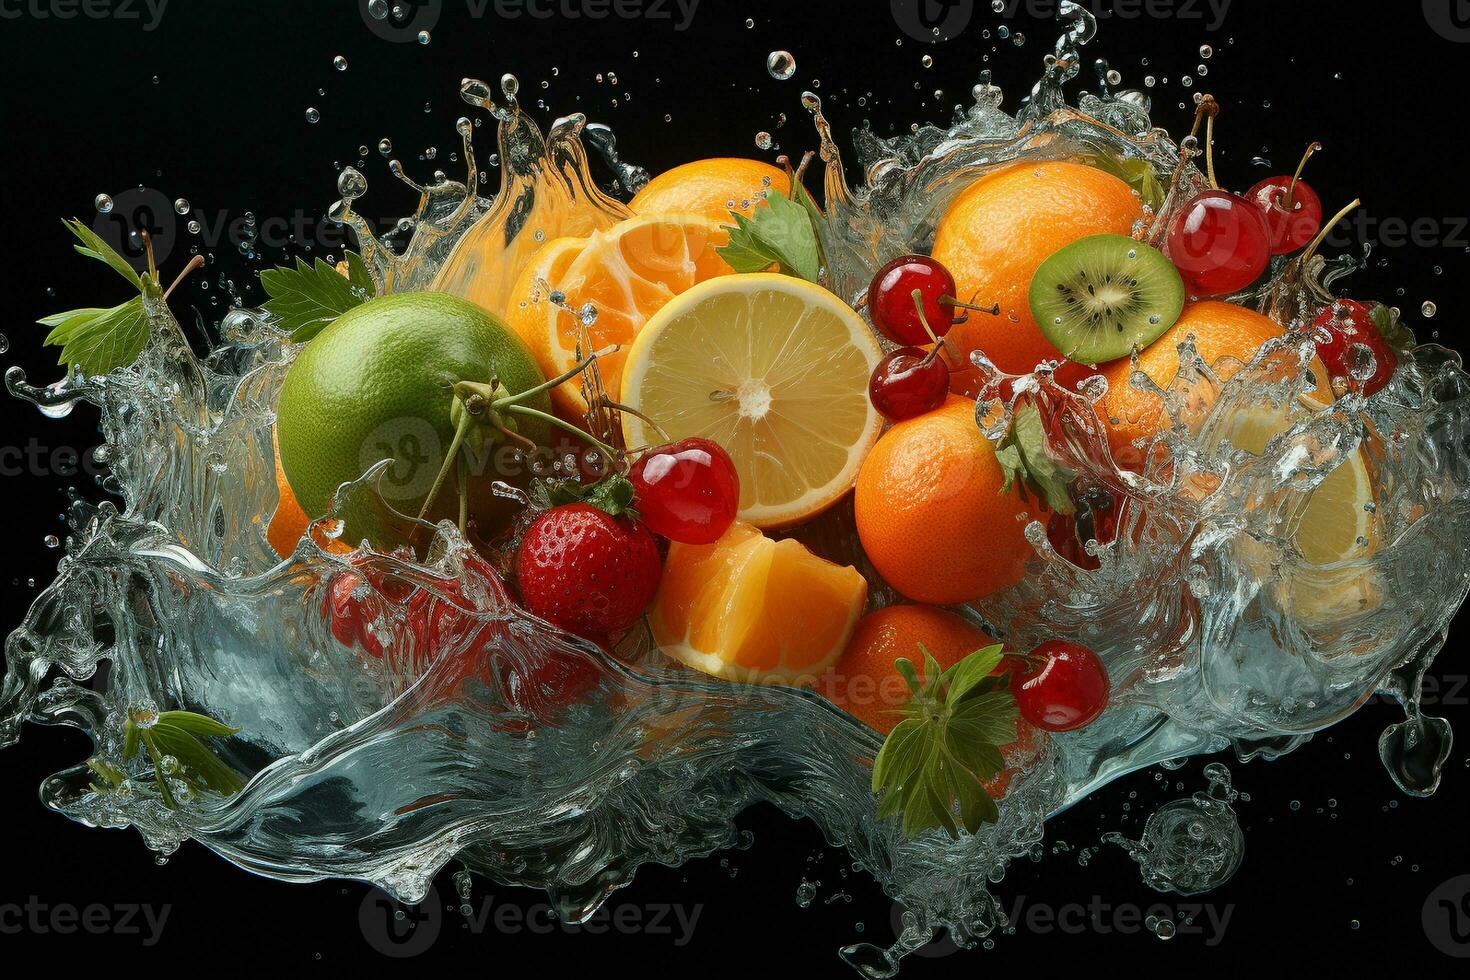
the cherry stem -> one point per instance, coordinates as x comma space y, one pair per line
993, 309
195, 263
1288, 203
148, 251
518, 409
463, 473
1210, 151
460, 431
1326, 228
566, 376
918, 297
620, 407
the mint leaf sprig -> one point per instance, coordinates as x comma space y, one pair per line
176, 735
1022, 455
937, 760
97, 341
781, 234
307, 298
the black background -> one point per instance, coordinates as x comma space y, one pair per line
211, 106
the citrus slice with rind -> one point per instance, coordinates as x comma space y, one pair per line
774, 369
601, 289
751, 609
1336, 529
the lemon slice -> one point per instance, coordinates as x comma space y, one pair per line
774, 369
1336, 529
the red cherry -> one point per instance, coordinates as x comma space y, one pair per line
1096, 519
891, 299
1066, 691
909, 382
687, 491
1293, 210
1346, 337
1220, 243
1291, 226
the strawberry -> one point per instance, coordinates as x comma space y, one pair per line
590, 567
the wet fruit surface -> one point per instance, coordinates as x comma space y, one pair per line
687, 491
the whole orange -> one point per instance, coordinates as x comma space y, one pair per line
931, 513
996, 234
710, 188
864, 682
1226, 336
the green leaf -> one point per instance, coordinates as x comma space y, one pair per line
98, 341
613, 494
1022, 455
1137, 174
198, 766
934, 763
196, 724
1394, 331
93, 247
307, 298
780, 234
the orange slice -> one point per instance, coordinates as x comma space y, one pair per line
712, 188
616, 279
748, 608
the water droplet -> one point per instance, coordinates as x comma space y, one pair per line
312, 115
425, 37
763, 140
927, 61
781, 65
194, 227
378, 9
51, 541
1429, 308
1205, 51
181, 206
749, 23
385, 146
339, 63
103, 203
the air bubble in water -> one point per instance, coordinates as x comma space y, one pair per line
781, 65
385, 146
181, 206
749, 23
425, 37
51, 541
312, 115
1205, 51
1429, 308
378, 9
339, 63
103, 203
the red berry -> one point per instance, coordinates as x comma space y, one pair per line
354, 613
1220, 243
1350, 344
1290, 226
891, 299
1096, 519
909, 382
1066, 691
588, 572
687, 491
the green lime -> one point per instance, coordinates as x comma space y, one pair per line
378, 383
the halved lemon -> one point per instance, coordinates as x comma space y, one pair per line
604, 287
1336, 527
751, 609
774, 369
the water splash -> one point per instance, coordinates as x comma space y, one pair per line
1193, 845
1202, 608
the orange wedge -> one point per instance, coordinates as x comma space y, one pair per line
617, 279
712, 188
748, 608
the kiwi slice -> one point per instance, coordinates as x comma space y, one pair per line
1100, 297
